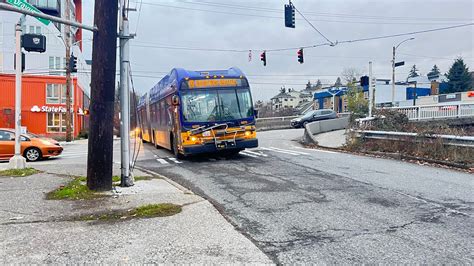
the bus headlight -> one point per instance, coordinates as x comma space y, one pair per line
194, 139
248, 133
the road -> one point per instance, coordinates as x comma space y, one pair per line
303, 205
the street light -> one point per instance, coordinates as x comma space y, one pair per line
393, 68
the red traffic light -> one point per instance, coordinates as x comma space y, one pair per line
263, 57
300, 56
86, 112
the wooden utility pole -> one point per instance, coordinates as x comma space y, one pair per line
104, 52
67, 42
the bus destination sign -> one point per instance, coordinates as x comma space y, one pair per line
211, 83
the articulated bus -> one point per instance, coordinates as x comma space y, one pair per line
193, 112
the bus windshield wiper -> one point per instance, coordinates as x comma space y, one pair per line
204, 128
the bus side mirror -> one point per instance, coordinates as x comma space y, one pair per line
175, 100
255, 113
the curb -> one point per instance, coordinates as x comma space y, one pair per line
171, 182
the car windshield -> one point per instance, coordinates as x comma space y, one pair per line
219, 104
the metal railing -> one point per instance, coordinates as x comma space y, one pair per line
267, 123
431, 112
462, 141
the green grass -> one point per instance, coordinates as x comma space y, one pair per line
146, 211
74, 190
19, 172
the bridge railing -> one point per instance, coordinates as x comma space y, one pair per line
431, 112
268, 123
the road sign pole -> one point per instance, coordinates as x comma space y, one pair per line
18, 161
393, 77
67, 42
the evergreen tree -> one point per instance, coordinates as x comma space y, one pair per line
434, 72
308, 85
319, 85
459, 77
282, 90
338, 82
413, 72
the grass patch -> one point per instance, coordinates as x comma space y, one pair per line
19, 172
74, 190
146, 211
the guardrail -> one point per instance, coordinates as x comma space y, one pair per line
431, 112
267, 123
462, 141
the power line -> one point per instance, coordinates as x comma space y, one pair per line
312, 26
280, 17
274, 10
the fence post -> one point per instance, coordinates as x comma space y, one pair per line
418, 113
459, 110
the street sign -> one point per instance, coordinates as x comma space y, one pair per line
22, 4
397, 64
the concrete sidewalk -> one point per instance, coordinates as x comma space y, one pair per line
36, 230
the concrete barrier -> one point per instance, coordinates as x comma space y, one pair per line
322, 126
272, 123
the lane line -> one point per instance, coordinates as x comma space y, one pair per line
256, 153
174, 160
162, 161
297, 152
290, 153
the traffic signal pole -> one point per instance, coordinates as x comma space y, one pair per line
18, 161
126, 179
67, 42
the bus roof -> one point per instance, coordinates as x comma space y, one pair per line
170, 83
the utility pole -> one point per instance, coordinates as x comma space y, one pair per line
67, 42
18, 161
100, 150
126, 175
393, 77
371, 92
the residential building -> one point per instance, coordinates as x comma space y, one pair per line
44, 76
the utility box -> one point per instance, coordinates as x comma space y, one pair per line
34, 42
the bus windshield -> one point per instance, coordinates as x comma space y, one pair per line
220, 104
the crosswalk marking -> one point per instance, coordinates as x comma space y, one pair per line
297, 152
174, 160
256, 153
246, 153
162, 161
280, 151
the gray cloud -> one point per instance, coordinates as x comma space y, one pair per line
184, 26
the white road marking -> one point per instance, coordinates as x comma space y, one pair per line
297, 152
248, 154
274, 150
162, 161
318, 150
256, 153
174, 160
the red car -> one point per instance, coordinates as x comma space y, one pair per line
33, 148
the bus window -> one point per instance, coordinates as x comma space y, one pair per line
245, 103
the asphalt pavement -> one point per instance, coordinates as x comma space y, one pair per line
313, 206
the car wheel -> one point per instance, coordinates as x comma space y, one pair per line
304, 124
32, 154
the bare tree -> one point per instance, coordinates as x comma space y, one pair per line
350, 74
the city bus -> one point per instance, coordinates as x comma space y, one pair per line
195, 112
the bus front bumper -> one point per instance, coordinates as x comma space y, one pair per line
223, 146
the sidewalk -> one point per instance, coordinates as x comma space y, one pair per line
36, 230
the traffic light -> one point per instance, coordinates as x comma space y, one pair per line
73, 64
86, 112
300, 56
364, 81
289, 16
263, 57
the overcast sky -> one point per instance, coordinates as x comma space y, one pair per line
258, 25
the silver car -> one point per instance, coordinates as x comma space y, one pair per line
312, 116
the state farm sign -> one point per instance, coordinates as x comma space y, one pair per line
49, 109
